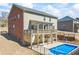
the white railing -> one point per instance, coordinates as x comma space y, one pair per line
41, 49
40, 31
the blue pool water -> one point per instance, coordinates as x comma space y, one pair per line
62, 49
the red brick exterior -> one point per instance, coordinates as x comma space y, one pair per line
13, 19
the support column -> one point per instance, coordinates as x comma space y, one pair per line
49, 39
43, 34
31, 38
43, 39
37, 35
56, 35
73, 25
51, 35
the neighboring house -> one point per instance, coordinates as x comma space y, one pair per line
68, 24
21, 20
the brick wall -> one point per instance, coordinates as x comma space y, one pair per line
15, 22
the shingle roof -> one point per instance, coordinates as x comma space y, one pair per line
66, 18
34, 11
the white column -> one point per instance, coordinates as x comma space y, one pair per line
51, 33
43, 34
38, 27
56, 35
43, 39
38, 32
73, 25
31, 38
48, 27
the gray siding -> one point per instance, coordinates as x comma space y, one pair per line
65, 25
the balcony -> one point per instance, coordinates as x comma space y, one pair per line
45, 31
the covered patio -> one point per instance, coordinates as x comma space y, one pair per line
40, 32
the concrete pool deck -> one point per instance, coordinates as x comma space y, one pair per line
45, 49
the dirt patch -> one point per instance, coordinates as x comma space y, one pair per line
8, 47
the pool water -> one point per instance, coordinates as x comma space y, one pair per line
62, 49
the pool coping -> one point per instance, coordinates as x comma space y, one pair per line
69, 52
74, 49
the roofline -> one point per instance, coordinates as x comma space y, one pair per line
66, 20
37, 12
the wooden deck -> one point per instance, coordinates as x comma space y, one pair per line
39, 35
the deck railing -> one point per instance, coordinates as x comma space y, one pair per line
40, 31
41, 49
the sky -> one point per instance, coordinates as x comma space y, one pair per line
59, 10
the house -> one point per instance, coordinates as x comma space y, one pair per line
67, 23
23, 22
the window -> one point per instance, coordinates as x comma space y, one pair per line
40, 26
44, 18
18, 16
46, 26
33, 27
13, 26
50, 19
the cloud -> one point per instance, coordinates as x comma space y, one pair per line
7, 10
4, 4
62, 5
73, 11
30, 5
76, 8
70, 13
60, 9
8, 6
54, 11
5, 7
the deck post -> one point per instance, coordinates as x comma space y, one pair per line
73, 25
43, 34
56, 35
51, 35
37, 35
43, 38
31, 38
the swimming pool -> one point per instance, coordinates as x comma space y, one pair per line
63, 49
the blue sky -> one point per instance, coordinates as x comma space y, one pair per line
57, 9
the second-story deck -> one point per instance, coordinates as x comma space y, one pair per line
40, 35
46, 31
